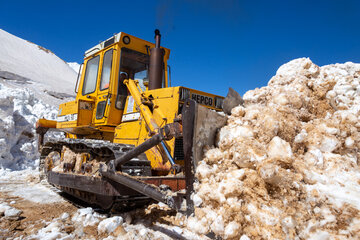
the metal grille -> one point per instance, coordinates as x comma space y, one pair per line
109, 42
179, 149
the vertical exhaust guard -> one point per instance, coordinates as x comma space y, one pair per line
156, 64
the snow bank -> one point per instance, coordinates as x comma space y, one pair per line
19, 111
287, 165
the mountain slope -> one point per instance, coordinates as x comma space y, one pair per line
75, 66
34, 65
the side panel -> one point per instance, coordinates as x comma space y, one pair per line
68, 115
85, 113
128, 133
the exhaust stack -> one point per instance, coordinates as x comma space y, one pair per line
156, 64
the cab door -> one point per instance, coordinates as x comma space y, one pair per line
103, 96
87, 94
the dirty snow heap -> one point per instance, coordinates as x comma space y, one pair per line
287, 162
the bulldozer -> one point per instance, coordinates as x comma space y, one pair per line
129, 137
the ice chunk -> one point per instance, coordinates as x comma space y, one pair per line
235, 132
86, 216
232, 230
218, 225
12, 213
301, 136
3, 208
279, 148
64, 216
197, 200
329, 144
318, 156
244, 237
110, 224
349, 142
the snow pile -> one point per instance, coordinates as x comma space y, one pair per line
19, 111
287, 164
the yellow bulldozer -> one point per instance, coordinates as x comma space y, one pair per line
130, 137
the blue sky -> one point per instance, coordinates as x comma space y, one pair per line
214, 44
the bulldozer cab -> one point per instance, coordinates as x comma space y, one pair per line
106, 66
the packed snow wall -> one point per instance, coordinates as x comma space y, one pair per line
32, 81
19, 111
287, 163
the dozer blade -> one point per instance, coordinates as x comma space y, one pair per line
204, 123
232, 100
200, 126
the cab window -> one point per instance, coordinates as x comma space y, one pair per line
133, 65
106, 70
91, 73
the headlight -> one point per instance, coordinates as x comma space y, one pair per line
184, 94
218, 102
126, 40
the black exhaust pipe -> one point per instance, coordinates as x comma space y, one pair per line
156, 64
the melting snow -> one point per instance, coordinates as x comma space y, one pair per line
296, 142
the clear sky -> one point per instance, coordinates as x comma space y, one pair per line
214, 44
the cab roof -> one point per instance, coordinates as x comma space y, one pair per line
115, 39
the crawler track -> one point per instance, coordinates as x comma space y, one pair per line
102, 151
